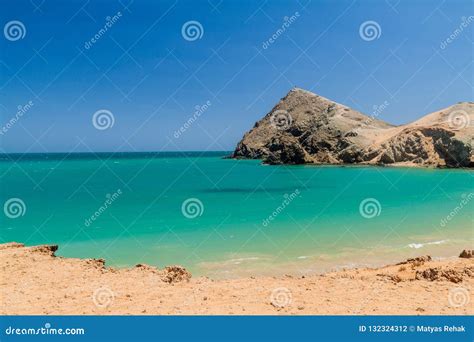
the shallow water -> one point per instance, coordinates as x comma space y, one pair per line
253, 219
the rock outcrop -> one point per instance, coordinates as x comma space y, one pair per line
467, 254
455, 275
43, 253
175, 274
416, 261
306, 128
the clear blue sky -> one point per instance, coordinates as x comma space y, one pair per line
151, 78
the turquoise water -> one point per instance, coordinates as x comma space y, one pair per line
316, 222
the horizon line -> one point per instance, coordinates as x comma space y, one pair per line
94, 152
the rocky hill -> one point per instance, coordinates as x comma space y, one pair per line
306, 128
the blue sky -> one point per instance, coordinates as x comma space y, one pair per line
144, 71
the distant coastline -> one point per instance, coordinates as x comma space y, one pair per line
101, 155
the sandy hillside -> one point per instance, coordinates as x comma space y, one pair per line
34, 281
305, 128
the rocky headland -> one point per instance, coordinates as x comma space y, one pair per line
305, 128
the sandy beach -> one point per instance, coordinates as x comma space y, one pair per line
34, 281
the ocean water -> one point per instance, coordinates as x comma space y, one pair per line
226, 218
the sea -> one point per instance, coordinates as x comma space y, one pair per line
228, 218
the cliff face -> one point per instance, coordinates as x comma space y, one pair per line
306, 128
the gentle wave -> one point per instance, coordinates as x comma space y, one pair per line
239, 260
421, 245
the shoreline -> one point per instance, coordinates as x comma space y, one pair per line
35, 281
236, 266
406, 166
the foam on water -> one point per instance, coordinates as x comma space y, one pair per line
421, 245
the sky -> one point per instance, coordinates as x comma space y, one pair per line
196, 75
